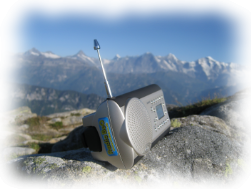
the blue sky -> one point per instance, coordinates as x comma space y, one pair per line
187, 36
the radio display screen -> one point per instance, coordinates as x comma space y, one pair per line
159, 111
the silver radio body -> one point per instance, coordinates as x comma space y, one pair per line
129, 125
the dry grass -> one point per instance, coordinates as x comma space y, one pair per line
57, 125
195, 108
34, 124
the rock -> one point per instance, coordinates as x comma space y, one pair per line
198, 148
73, 141
33, 141
210, 123
82, 112
54, 120
4, 134
206, 122
13, 152
27, 137
54, 140
73, 120
235, 112
197, 153
70, 117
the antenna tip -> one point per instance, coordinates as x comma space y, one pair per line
96, 44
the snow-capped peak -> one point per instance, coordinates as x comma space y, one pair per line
33, 52
50, 54
80, 53
209, 57
171, 56
116, 57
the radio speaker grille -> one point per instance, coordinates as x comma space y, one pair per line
138, 126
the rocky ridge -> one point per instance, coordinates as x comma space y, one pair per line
44, 101
199, 149
25, 130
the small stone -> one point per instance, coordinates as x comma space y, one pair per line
57, 119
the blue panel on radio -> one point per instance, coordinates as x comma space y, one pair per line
107, 137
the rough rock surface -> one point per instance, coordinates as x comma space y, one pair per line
83, 111
69, 118
17, 150
206, 122
236, 113
199, 148
210, 123
25, 129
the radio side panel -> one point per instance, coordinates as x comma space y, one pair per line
102, 113
118, 125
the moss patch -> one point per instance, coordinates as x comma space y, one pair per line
86, 169
75, 114
228, 170
53, 166
245, 167
41, 137
57, 125
176, 185
175, 123
38, 160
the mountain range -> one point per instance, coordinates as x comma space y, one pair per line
182, 82
45, 101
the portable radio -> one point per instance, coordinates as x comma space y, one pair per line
126, 127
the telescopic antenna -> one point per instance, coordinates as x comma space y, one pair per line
107, 87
